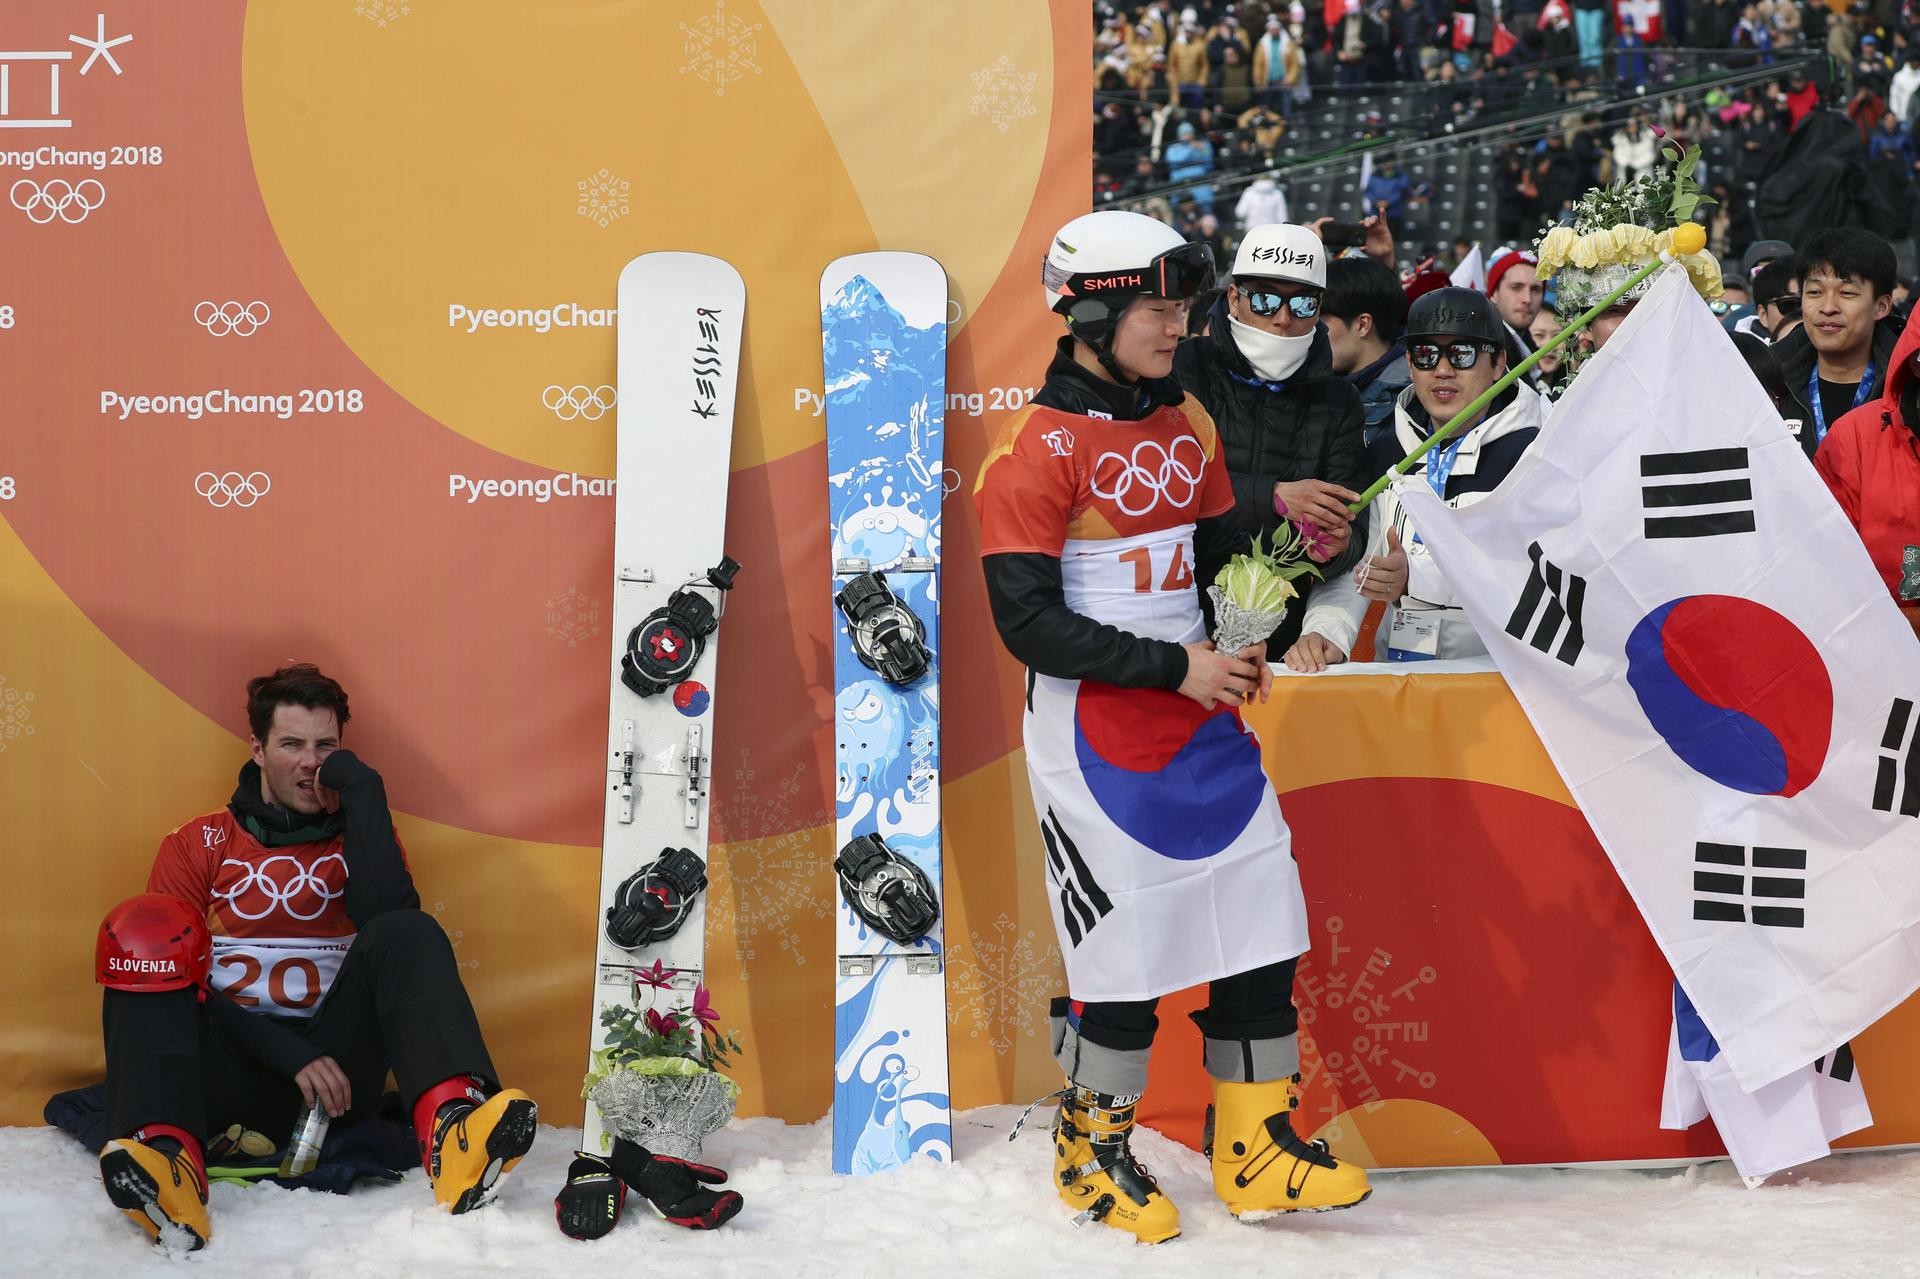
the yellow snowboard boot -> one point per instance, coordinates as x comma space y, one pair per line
1261, 1165
1096, 1172
162, 1190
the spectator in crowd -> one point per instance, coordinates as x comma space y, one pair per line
1517, 198
1891, 138
1276, 64
1190, 159
1359, 45
1291, 431
1776, 298
1900, 88
1553, 368
1388, 186
1839, 359
1871, 462
1513, 282
1412, 31
1233, 81
1456, 352
1227, 34
1712, 23
1262, 202
1364, 310
1635, 151
1187, 66
1590, 28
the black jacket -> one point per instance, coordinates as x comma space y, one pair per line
1024, 588
1312, 427
1796, 356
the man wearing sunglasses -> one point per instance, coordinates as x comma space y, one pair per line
1456, 351
1291, 428
1104, 510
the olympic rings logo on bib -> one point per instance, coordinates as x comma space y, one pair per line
260, 891
1138, 483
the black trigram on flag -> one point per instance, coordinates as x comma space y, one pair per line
1726, 890
1841, 1069
1549, 609
1899, 771
1082, 903
1704, 493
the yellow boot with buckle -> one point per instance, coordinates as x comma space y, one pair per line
1261, 1165
1096, 1173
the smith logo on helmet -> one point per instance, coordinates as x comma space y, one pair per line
1130, 280
1281, 255
120, 965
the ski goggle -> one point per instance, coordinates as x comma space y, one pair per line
1184, 271
1461, 355
1266, 304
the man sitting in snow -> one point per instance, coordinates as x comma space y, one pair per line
280, 957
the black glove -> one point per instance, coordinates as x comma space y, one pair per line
589, 1205
675, 1188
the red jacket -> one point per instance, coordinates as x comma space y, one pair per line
1871, 461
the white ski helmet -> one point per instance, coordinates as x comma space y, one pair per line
1100, 262
1281, 251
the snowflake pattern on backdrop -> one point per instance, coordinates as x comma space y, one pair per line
1003, 93
381, 12
1002, 983
16, 708
603, 198
720, 49
766, 868
1384, 1027
455, 936
572, 616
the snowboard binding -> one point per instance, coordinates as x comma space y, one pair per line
656, 899
891, 894
663, 650
887, 636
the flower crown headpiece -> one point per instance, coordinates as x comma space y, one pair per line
1618, 229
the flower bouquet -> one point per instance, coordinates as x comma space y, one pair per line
1251, 593
656, 1079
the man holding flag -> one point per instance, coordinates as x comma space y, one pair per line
1731, 697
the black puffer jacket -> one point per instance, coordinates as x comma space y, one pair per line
1311, 427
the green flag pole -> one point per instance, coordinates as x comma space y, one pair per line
1511, 376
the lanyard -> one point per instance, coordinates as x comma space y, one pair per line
1440, 465
1861, 396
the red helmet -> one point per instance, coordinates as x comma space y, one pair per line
152, 942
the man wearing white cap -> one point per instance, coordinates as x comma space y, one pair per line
1292, 429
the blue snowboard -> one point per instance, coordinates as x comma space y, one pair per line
883, 321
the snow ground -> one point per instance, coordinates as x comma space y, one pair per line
993, 1214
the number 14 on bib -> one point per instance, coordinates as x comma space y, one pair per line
883, 329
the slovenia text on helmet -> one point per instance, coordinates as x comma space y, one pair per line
1100, 263
152, 942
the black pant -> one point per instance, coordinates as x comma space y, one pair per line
397, 1003
1247, 1029
1256, 1004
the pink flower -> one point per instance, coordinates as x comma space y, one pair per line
702, 1010
662, 1025
1318, 542
656, 976
1658, 132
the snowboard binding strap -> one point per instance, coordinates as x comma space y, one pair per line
891, 894
663, 650
887, 636
656, 899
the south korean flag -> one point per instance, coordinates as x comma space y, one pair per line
1721, 678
